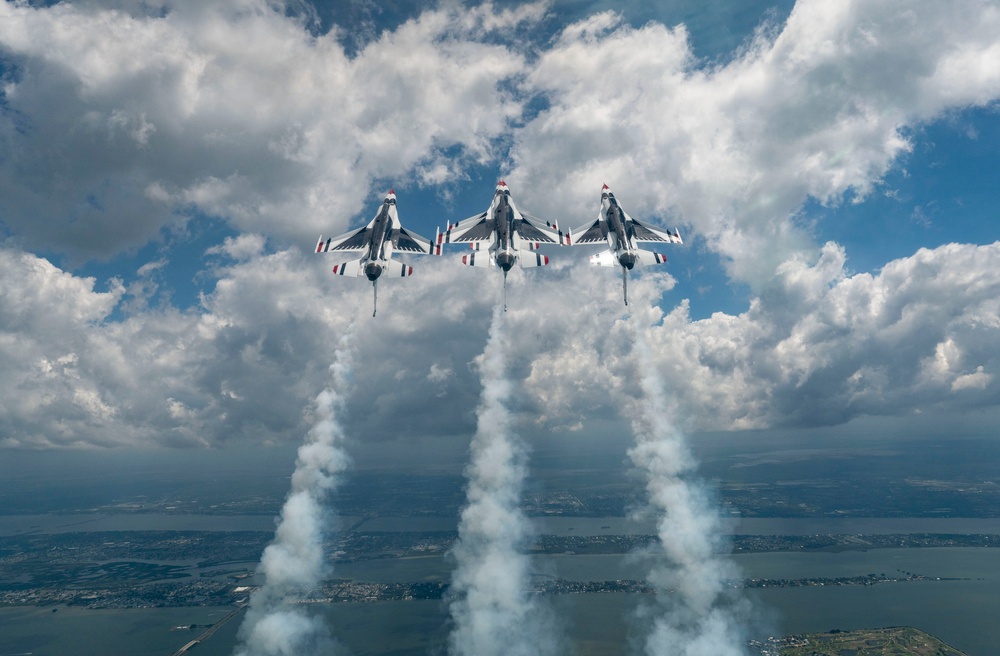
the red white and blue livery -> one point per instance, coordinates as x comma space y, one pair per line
378, 240
621, 233
502, 236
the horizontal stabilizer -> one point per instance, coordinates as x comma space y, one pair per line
351, 269
649, 257
528, 259
609, 259
356, 269
398, 269
604, 258
479, 259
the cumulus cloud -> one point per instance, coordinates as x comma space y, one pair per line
819, 346
819, 108
122, 121
118, 122
243, 366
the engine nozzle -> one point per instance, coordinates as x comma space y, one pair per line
505, 260
373, 271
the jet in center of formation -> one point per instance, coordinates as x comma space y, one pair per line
378, 240
507, 236
621, 233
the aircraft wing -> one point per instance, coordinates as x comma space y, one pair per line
645, 232
350, 241
411, 242
591, 233
474, 228
538, 230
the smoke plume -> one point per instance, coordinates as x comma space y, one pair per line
492, 611
697, 612
277, 624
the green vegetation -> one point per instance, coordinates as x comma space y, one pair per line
895, 641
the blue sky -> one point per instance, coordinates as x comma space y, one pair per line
167, 168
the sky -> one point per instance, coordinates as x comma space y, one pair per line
166, 168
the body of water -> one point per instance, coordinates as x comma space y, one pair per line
98, 522
88, 522
961, 612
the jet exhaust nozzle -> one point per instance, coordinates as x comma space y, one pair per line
373, 271
627, 260
505, 261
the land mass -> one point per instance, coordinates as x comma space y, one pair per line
893, 641
143, 569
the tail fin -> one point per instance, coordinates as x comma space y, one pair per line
436, 247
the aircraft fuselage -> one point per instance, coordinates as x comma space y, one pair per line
622, 242
503, 218
376, 245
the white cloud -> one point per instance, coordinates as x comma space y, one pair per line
118, 123
241, 247
123, 121
822, 347
438, 374
817, 347
817, 109
978, 380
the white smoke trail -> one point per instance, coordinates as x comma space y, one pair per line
698, 613
492, 610
293, 564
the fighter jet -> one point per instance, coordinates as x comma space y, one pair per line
621, 232
378, 240
507, 236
